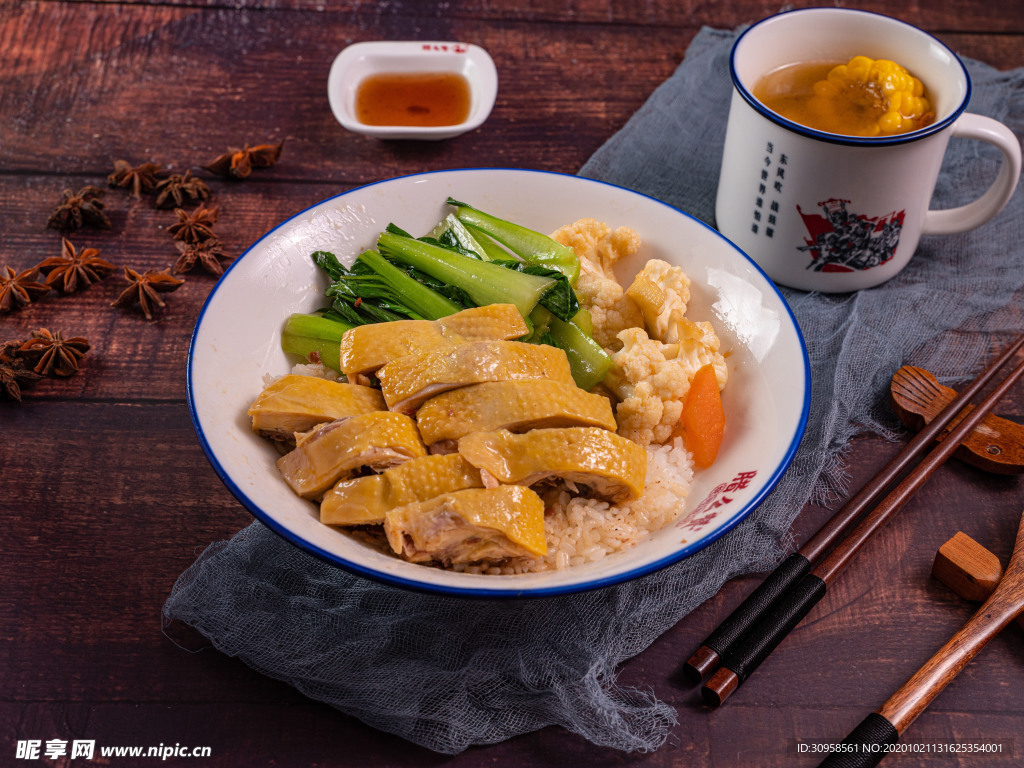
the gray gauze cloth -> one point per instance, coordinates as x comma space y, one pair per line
448, 673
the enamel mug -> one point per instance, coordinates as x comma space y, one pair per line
825, 212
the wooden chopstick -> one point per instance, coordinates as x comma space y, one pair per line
761, 638
885, 725
797, 565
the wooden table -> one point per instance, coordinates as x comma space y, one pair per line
107, 497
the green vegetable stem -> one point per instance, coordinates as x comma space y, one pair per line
375, 290
529, 245
587, 360
305, 334
452, 232
425, 302
483, 281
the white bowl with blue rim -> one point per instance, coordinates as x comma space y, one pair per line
236, 344
359, 61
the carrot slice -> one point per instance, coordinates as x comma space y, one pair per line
703, 419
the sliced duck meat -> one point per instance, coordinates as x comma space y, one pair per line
335, 450
407, 382
517, 406
475, 525
365, 500
366, 348
612, 467
294, 403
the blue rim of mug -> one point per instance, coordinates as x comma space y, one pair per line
835, 138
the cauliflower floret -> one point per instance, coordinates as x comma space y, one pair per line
655, 349
598, 248
662, 292
610, 308
651, 378
596, 243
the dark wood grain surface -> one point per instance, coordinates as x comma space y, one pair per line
106, 497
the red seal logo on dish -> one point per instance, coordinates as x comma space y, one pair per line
712, 506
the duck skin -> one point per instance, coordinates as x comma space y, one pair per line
335, 450
612, 467
407, 382
469, 526
367, 348
295, 403
517, 406
365, 500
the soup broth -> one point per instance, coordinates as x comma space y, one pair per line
861, 97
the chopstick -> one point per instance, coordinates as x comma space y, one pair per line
789, 597
755, 644
885, 725
796, 566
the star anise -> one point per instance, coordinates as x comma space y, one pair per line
238, 163
9, 351
146, 288
194, 227
74, 269
208, 254
53, 354
14, 374
18, 289
77, 209
139, 178
178, 189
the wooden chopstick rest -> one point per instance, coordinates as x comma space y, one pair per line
996, 445
968, 569
870, 741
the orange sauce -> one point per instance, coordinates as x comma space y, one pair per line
413, 98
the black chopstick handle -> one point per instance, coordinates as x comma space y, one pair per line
866, 745
788, 572
754, 645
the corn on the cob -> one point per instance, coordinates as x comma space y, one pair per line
894, 96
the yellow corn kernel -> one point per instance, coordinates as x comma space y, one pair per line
858, 67
826, 89
839, 75
890, 123
880, 70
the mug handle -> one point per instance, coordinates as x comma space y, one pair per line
976, 213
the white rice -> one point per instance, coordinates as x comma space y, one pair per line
316, 369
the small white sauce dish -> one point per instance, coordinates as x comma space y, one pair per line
361, 60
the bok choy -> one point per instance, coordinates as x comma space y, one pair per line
469, 259
530, 246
